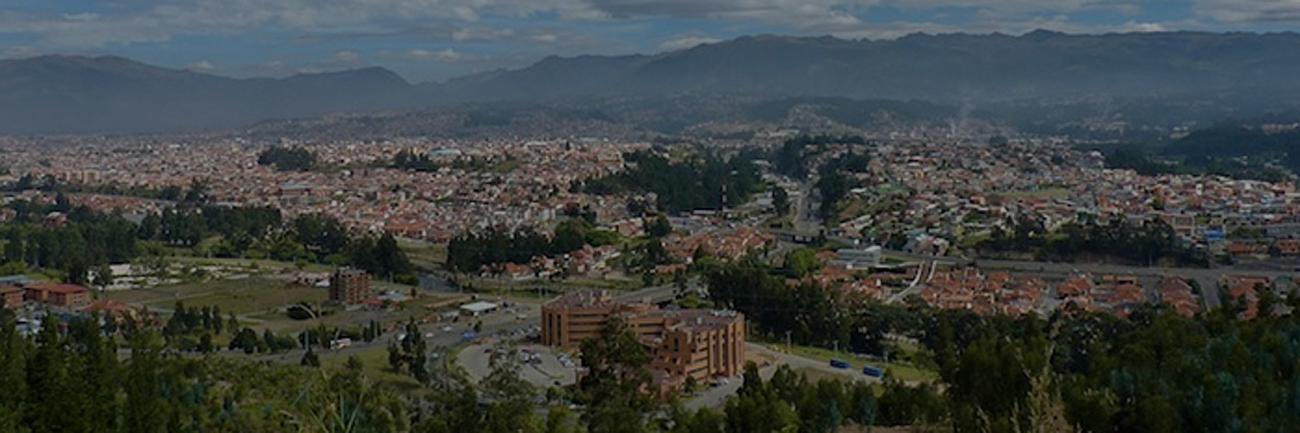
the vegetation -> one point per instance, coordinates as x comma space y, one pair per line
81, 248
88, 241
472, 251
1146, 164
792, 158
1231, 141
287, 158
780, 200
701, 182
1117, 239
1155, 371
410, 161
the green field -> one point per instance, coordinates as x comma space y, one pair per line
897, 370
251, 264
239, 296
424, 254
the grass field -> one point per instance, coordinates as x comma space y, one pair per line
241, 296
900, 371
260, 265
424, 254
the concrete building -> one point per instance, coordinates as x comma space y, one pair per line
699, 344
853, 258
577, 316
349, 286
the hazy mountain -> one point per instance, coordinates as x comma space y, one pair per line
112, 94
1043, 80
941, 68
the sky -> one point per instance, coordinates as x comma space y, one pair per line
433, 40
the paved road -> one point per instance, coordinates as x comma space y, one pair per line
716, 396
1208, 279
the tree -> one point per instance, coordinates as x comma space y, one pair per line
616, 364
287, 159
102, 276
14, 353
801, 262
52, 380
658, 227
780, 200
205, 343
512, 398
146, 409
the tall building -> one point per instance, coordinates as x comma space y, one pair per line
349, 286
699, 344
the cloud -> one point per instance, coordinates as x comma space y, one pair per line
678, 43
1250, 11
17, 52
84, 16
545, 38
347, 57
800, 14
201, 66
447, 55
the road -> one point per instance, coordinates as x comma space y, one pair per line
1207, 278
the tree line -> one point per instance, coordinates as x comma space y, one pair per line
471, 251
704, 181
1149, 243
83, 247
287, 158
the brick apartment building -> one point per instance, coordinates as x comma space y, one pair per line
69, 296
349, 286
699, 344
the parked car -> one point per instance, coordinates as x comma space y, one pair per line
873, 372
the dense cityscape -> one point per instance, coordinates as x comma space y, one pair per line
592, 219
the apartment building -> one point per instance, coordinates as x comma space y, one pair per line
349, 286
69, 296
699, 344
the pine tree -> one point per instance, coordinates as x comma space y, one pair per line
146, 407
97, 371
14, 351
51, 384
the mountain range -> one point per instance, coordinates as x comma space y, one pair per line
1224, 74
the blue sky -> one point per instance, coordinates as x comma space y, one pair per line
431, 40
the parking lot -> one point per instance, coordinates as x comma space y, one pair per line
541, 365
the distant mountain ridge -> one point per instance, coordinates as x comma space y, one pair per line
1173, 70
71, 94
952, 67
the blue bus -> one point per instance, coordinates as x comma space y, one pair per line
873, 372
